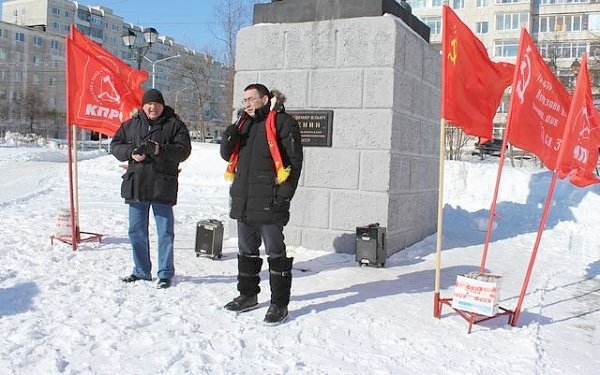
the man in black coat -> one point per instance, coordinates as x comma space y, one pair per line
153, 143
260, 196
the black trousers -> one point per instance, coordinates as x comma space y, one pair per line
251, 235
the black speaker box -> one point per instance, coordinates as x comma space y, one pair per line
209, 238
370, 245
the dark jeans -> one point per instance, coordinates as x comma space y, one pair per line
250, 235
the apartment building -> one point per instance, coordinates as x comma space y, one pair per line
562, 29
32, 77
32, 48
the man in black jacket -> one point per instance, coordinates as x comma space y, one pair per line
153, 143
265, 159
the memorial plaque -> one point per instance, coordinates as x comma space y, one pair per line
315, 127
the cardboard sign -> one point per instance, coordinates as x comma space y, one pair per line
477, 293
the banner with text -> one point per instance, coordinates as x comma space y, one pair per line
539, 105
578, 155
101, 89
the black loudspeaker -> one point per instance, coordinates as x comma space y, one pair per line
209, 239
370, 245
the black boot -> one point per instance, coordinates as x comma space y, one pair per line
248, 280
280, 279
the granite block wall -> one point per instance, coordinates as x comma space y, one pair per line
382, 82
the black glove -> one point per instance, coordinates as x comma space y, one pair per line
145, 148
233, 133
283, 196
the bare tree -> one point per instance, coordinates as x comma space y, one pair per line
54, 120
198, 76
32, 106
455, 142
231, 16
4, 113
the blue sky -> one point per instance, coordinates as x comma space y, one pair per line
188, 21
191, 22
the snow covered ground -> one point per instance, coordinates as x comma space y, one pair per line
64, 312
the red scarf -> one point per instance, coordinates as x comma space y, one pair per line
281, 173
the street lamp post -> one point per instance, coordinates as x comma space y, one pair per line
150, 36
156, 62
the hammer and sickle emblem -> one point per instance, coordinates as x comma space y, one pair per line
524, 75
452, 54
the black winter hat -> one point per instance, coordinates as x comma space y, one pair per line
153, 95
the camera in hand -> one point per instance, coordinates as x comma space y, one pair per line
145, 148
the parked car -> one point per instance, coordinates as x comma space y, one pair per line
492, 147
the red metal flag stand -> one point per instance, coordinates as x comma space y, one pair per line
76, 235
68, 239
471, 318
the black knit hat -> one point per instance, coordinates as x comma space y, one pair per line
153, 95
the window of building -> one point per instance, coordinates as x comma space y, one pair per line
595, 50
506, 48
436, 3
416, 4
458, 4
84, 29
55, 11
560, 23
55, 25
511, 21
83, 15
97, 33
2, 53
504, 103
483, 3
54, 44
2, 33
37, 41
97, 20
434, 23
52, 81
20, 37
568, 50
35, 60
511, 1
67, 14
552, 2
481, 27
17, 56
35, 79
2, 74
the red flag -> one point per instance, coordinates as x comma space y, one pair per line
101, 89
472, 85
539, 105
578, 153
